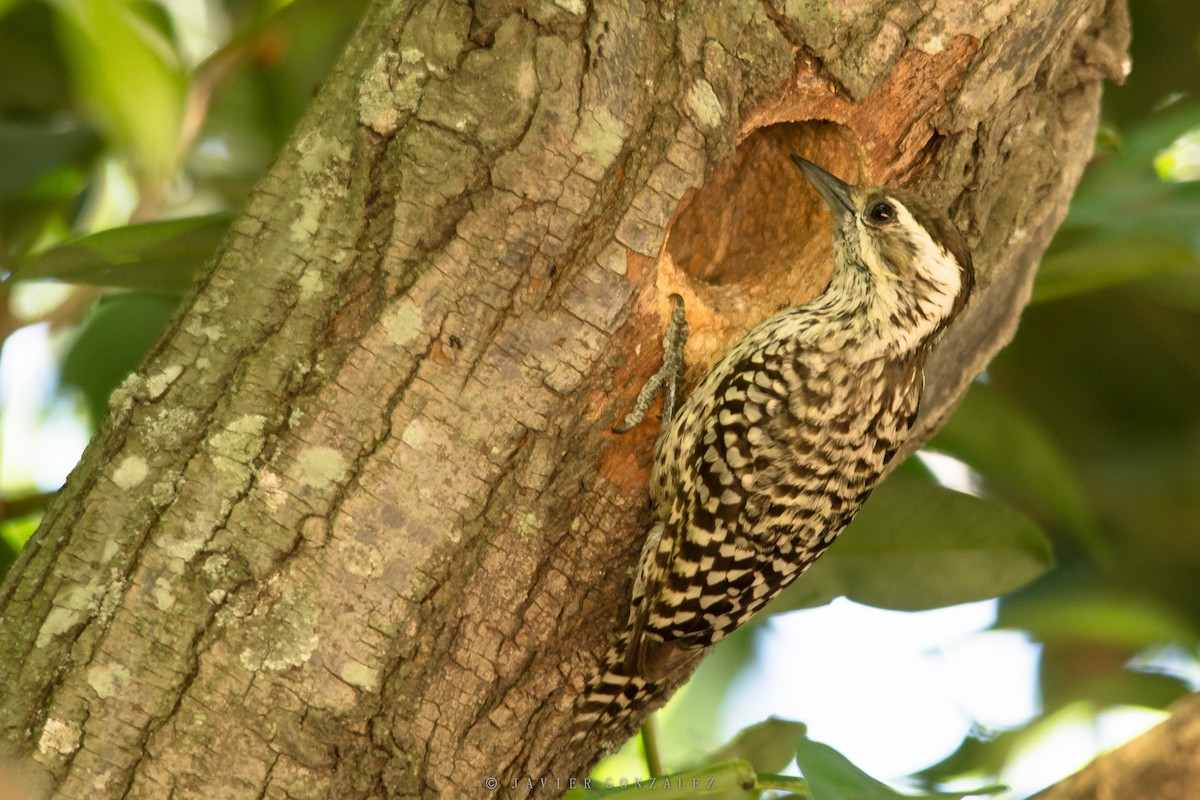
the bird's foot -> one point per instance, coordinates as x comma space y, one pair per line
668, 376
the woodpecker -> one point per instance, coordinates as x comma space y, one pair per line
775, 450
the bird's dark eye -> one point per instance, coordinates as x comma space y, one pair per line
881, 212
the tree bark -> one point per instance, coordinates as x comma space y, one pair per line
358, 527
1161, 764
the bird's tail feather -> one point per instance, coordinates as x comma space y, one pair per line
611, 695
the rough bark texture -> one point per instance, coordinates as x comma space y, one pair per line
358, 528
1161, 764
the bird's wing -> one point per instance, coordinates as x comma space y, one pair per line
707, 565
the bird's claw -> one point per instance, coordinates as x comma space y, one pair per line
667, 378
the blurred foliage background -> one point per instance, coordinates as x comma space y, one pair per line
132, 130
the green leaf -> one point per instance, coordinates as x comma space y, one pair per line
129, 75
1115, 186
1126, 222
1130, 688
8, 553
34, 149
1108, 261
154, 256
42, 215
917, 545
1177, 162
768, 746
831, 776
34, 81
113, 343
1016, 459
974, 756
1133, 622
13, 535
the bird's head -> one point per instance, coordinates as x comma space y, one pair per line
916, 259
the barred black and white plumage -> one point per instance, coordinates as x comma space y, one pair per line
773, 453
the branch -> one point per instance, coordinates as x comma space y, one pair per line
1161, 764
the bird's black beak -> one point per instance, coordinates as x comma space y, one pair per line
835, 191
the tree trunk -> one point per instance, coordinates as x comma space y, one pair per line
1161, 764
358, 527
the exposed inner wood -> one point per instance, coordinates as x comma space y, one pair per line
756, 219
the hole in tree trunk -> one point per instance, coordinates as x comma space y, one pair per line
756, 233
